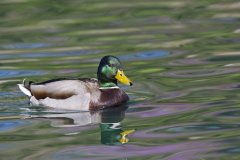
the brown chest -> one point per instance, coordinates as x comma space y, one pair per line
109, 98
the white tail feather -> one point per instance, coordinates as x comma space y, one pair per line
24, 90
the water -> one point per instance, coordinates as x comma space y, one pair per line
183, 57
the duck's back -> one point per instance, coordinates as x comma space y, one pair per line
62, 88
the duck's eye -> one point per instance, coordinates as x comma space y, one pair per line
110, 65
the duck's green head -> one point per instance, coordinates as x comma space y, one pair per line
110, 72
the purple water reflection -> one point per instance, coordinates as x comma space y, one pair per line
188, 61
189, 130
182, 151
162, 109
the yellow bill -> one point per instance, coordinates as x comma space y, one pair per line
124, 134
122, 78
127, 132
123, 140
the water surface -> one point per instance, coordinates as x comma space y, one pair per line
183, 57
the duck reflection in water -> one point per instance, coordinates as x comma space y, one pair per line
109, 121
111, 128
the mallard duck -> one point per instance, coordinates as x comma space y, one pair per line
82, 94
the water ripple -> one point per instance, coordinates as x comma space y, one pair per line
9, 125
145, 55
20, 73
59, 54
188, 61
9, 94
200, 72
230, 114
226, 113
26, 45
145, 111
181, 151
185, 130
49, 54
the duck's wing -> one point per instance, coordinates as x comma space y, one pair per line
75, 102
59, 88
